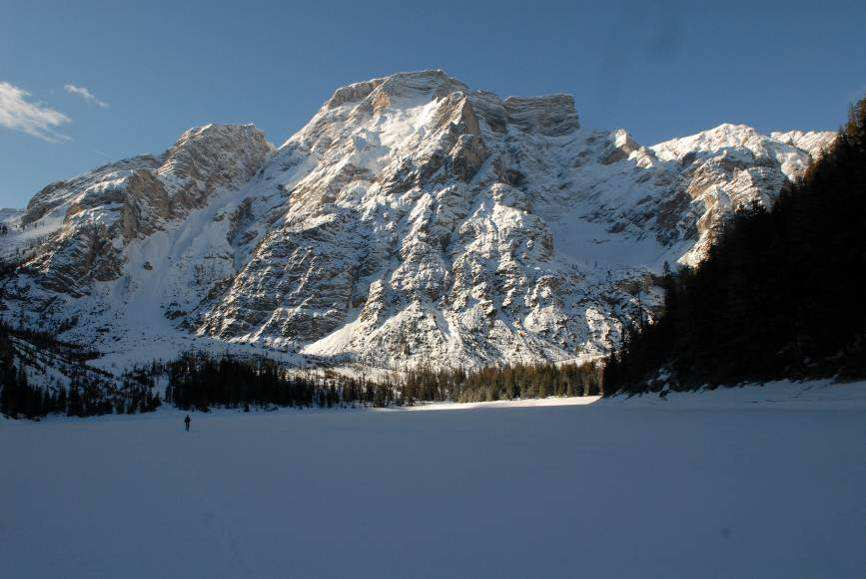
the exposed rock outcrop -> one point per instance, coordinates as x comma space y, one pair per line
88, 220
411, 221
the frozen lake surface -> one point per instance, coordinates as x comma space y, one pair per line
755, 482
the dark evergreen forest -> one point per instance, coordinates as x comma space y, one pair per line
91, 391
198, 381
781, 295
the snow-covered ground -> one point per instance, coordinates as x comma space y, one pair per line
752, 482
527, 403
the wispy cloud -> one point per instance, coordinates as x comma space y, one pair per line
85, 93
18, 113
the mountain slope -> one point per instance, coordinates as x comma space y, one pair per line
786, 288
412, 221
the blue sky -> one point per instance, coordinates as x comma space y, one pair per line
82, 83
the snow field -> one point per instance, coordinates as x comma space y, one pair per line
753, 482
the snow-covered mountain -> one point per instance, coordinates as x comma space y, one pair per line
411, 221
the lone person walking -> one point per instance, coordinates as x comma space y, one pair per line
186, 421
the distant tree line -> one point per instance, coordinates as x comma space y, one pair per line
91, 392
18, 399
501, 382
199, 381
782, 294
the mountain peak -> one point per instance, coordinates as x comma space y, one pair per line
219, 131
419, 83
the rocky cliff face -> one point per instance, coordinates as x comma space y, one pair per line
412, 221
79, 229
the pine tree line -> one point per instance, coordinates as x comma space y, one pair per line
90, 393
199, 381
502, 382
18, 399
780, 295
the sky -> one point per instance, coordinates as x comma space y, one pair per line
83, 83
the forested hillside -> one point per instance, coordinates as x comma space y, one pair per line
40, 375
199, 381
780, 295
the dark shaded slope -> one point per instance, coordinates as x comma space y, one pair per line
783, 293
